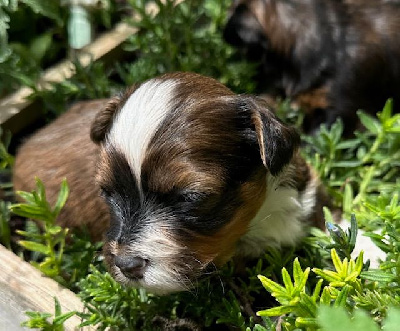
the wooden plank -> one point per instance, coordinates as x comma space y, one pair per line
22, 288
11, 311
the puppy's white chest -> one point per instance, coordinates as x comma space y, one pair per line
280, 220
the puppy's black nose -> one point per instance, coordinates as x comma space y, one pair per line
131, 266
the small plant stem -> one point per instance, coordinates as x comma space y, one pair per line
378, 141
370, 173
50, 244
364, 184
62, 245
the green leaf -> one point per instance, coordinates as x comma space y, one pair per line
59, 320
387, 111
326, 296
62, 197
5, 230
348, 198
347, 144
57, 307
271, 286
301, 285
54, 230
29, 234
287, 281
258, 327
359, 263
353, 234
336, 261
328, 275
297, 272
317, 290
27, 196
40, 45
40, 191
29, 211
275, 311
327, 215
306, 322
393, 130
308, 306
34, 246
370, 122
377, 275
346, 164
342, 296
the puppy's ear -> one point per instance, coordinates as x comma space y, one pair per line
243, 29
277, 141
102, 122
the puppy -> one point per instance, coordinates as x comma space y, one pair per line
349, 48
194, 175
61, 150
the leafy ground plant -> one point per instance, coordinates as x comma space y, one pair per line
51, 242
41, 320
359, 170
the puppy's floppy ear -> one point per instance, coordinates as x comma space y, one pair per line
243, 28
102, 122
277, 141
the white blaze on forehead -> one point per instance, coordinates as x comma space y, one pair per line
139, 119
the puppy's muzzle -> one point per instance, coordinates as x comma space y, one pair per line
132, 267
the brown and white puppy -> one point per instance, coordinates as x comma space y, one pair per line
349, 48
195, 175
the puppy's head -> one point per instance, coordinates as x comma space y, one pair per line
182, 166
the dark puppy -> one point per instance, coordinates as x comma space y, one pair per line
350, 49
195, 175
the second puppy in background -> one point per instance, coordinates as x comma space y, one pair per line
349, 50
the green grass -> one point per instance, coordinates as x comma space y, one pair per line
312, 287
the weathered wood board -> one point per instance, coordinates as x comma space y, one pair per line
24, 288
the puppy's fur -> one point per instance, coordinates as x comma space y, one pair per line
350, 49
61, 150
193, 175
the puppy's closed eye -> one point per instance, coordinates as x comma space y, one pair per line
181, 198
193, 196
